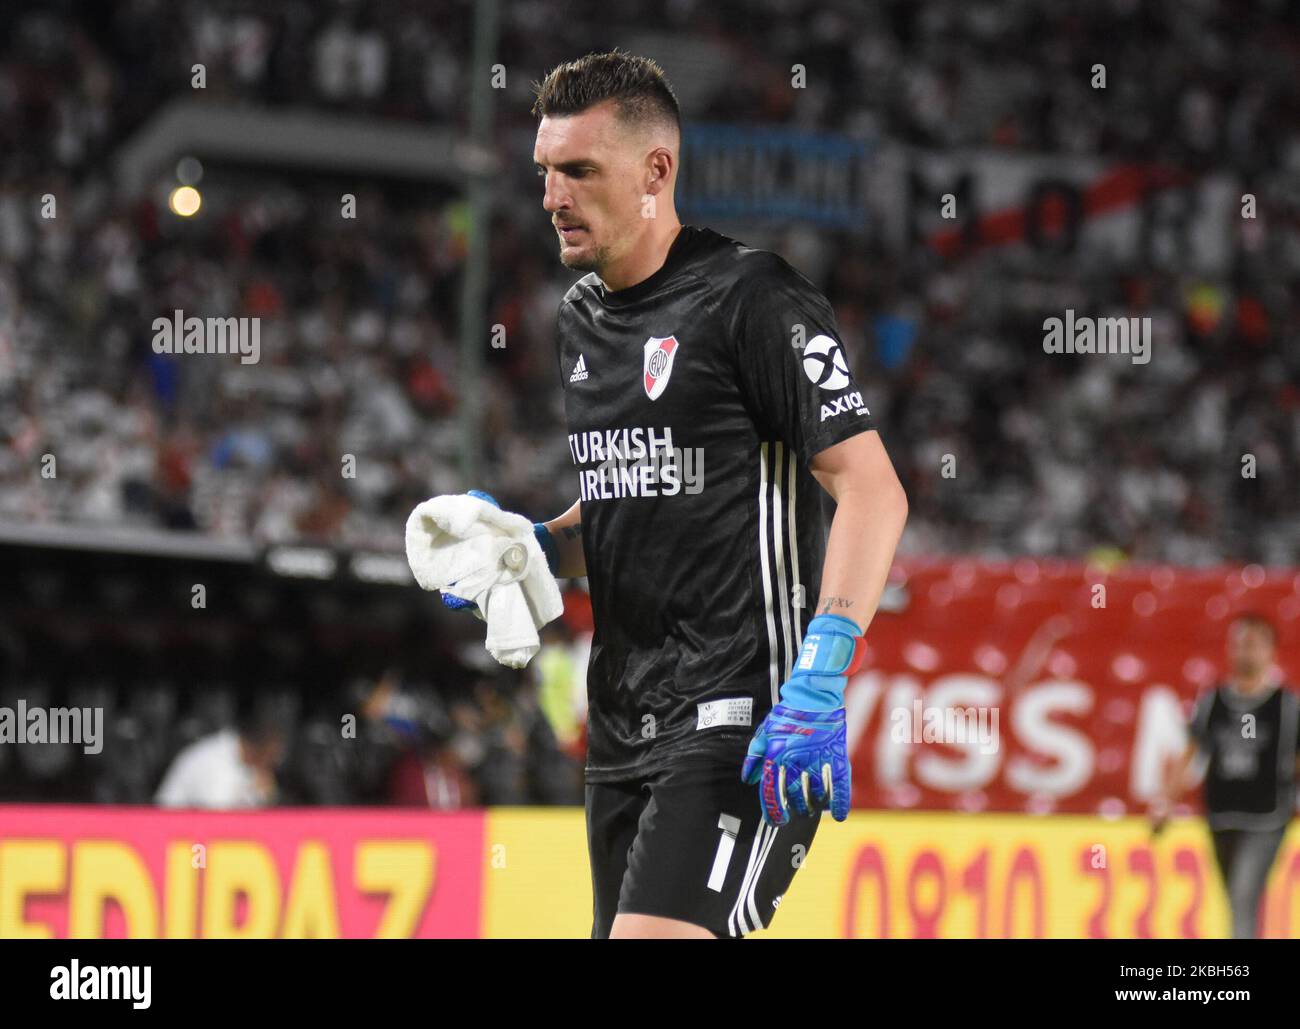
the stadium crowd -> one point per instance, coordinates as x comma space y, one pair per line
359, 347
403, 741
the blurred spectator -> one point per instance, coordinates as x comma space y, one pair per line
561, 685
431, 776
509, 744
232, 768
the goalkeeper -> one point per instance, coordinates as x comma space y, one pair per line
711, 413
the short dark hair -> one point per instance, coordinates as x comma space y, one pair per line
258, 723
637, 84
1259, 621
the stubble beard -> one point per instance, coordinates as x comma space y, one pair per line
591, 261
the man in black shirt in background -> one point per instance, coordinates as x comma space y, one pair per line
1247, 729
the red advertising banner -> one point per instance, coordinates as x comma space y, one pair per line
84, 872
1074, 682
88, 872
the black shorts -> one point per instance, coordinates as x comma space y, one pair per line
688, 843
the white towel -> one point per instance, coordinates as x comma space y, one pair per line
468, 548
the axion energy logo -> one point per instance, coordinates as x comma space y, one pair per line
824, 364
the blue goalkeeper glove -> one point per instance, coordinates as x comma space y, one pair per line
799, 755
544, 538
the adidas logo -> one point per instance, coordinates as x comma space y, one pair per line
579, 369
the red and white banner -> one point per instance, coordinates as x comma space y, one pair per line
1075, 683
958, 203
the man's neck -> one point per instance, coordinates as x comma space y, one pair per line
644, 260
1249, 685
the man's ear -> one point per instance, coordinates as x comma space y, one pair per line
659, 165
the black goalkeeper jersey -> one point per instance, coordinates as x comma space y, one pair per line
1251, 745
695, 401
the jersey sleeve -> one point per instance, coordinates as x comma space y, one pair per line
559, 340
793, 369
1198, 725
